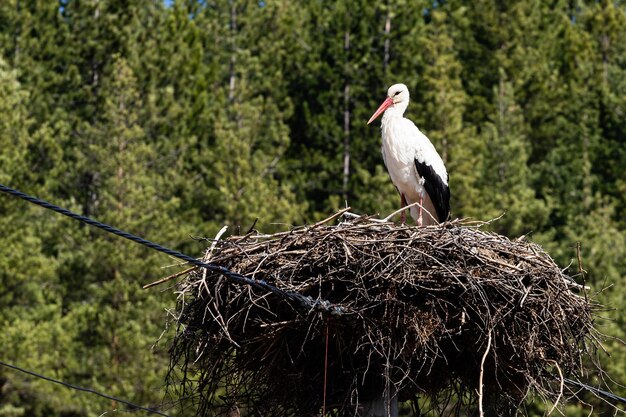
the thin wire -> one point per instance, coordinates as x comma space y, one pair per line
596, 391
325, 373
75, 387
305, 301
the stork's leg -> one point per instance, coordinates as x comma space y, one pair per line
419, 216
403, 203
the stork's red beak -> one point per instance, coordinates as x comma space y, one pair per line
388, 102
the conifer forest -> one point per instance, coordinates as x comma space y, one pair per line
171, 119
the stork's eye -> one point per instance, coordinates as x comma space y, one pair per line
397, 92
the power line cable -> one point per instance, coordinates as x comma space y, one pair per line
305, 301
89, 390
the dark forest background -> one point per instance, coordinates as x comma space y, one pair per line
172, 120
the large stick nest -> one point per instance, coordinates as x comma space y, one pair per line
427, 312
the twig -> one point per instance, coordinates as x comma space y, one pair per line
207, 256
209, 252
169, 277
580, 261
386, 219
328, 219
495, 219
280, 323
251, 227
558, 368
408, 206
481, 412
581, 270
358, 217
188, 270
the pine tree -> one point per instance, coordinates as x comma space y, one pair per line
239, 158
441, 115
20, 239
29, 290
505, 181
115, 329
605, 24
334, 90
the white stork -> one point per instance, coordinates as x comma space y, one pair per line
415, 167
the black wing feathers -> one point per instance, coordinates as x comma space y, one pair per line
437, 190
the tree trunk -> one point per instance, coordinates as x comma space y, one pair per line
233, 57
387, 41
346, 123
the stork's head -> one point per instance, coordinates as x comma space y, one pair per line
397, 98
